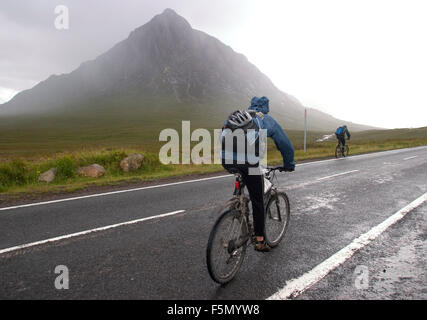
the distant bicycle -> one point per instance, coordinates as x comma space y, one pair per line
341, 151
233, 231
340, 133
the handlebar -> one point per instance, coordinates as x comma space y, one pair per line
279, 168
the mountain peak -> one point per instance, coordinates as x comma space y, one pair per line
166, 25
169, 11
166, 65
170, 18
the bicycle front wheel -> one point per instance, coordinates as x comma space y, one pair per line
337, 151
277, 216
346, 149
227, 246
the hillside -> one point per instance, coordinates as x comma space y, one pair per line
163, 73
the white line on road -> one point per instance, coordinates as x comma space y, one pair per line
366, 155
128, 222
297, 286
338, 174
409, 158
184, 182
110, 193
72, 235
304, 184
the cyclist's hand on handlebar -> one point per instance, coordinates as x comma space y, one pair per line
287, 169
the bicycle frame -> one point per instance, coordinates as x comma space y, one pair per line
233, 231
341, 148
240, 202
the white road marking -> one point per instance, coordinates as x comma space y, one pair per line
366, 155
81, 233
304, 184
124, 223
338, 174
187, 181
297, 286
111, 193
409, 158
136, 189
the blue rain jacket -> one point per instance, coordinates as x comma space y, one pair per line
274, 131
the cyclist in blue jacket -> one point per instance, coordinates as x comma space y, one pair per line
340, 133
258, 115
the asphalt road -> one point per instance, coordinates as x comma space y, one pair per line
332, 203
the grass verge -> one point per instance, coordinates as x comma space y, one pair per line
20, 176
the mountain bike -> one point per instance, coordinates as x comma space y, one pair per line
340, 150
233, 231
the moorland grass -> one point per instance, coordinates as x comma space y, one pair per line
20, 175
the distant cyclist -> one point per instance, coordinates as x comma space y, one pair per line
256, 118
341, 132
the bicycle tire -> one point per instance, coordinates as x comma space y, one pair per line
276, 216
346, 151
212, 250
337, 151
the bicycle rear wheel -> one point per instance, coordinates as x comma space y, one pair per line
277, 216
227, 246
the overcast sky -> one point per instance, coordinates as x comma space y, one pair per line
362, 61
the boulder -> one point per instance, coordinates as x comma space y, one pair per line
48, 176
133, 162
92, 171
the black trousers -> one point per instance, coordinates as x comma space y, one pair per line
341, 138
255, 185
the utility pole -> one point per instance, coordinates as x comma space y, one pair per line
305, 129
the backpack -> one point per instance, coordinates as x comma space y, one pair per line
340, 130
250, 133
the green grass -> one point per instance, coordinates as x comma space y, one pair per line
24, 156
115, 124
20, 175
327, 149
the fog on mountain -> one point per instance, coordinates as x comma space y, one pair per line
164, 66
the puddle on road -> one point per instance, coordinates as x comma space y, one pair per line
319, 203
394, 263
403, 273
384, 179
